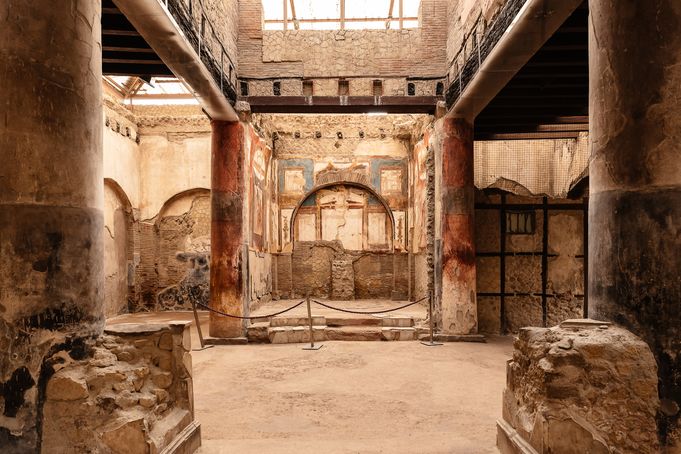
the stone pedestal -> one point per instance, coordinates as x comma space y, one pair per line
635, 180
458, 300
51, 198
581, 387
226, 260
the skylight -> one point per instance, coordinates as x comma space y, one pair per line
155, 90
340, 14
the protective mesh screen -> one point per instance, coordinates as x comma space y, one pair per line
542, 166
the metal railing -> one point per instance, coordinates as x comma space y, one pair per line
199, 31
475, 47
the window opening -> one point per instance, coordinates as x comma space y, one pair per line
521, 222
343, 88
340, 14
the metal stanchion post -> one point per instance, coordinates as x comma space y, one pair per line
309, 316
430, 343
198, 326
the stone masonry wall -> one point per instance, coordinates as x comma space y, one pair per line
328, 271
131, 393
581, 387
344, 53
461, 16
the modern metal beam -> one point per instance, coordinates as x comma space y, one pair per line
153, 21
535, 23
343, 104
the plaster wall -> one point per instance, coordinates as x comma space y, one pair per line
121, 150
116, 237
172, 162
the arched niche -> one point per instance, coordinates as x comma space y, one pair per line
293, 233
180, 202
118, 248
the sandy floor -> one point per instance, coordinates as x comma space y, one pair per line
348, 397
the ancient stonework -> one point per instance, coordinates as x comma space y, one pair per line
327, 270
133, 393
580, 387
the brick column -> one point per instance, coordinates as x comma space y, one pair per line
458, 300
635, 181
226, 233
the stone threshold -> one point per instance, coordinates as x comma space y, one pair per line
186, 442
225, 340
439, 337
509, 440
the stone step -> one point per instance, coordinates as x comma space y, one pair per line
295, 334
257, 332
317, 320
355, 333
398, 322
353, 321
398, 334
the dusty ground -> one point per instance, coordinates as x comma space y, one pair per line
348, 397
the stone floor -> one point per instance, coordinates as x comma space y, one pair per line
348, 397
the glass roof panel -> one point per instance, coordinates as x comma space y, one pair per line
369, 8
317, 9
163, 86
273, 9
410, 8
319, 14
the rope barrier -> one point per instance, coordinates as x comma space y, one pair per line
309, 316
369, 312
249, 318
225, 314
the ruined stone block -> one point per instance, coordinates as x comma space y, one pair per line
583, 386
67, 385
127, 437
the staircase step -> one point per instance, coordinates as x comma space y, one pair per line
398, 334
317, 320
398, 322
295, 334
257, 332
353, 321
354, 333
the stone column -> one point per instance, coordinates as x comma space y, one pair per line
226, 233
51, 198
635, 181
458, 300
